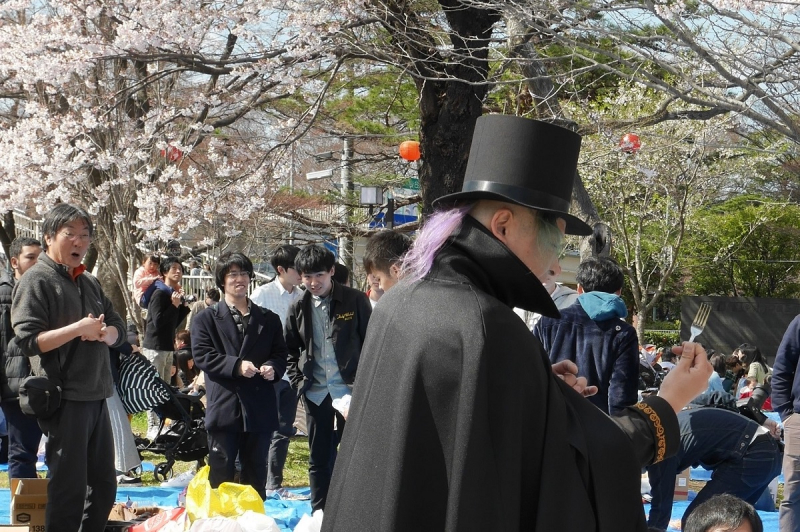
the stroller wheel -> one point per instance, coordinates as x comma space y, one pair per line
163, 471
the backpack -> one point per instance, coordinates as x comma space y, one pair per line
148, 294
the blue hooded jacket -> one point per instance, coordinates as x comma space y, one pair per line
592, 334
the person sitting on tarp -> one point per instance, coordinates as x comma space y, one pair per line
744, 456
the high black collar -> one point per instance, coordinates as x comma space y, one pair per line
473, 255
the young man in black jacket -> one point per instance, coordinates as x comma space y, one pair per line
23, 431
240, 348
324, 333
164, 313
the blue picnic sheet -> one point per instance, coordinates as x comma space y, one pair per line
285, 513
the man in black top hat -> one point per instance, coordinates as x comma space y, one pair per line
457, 420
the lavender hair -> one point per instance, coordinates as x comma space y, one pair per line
431, 238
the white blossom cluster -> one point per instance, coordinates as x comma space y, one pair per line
159, 112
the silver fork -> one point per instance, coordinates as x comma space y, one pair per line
700, 320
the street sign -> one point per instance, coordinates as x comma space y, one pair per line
411, 184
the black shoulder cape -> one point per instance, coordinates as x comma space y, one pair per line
457, 422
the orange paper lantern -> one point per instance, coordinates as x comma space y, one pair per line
630, 143
409, 150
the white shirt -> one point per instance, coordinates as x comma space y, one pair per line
273, 296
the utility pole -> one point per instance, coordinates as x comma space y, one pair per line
389, 210
346, 248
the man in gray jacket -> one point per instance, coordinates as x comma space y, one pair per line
59, 311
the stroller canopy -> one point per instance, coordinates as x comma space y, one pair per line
140, 387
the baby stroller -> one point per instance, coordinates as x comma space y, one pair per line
185, 439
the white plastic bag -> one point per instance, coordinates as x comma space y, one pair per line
255, 522
310, 523
342, 405
216, 524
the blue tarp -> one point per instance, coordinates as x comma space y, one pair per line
285, 513
288, 513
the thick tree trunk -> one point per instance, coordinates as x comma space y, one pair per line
449, 109
90, 260
108, 279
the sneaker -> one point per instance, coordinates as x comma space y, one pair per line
126, 480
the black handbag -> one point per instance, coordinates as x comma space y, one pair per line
40, 397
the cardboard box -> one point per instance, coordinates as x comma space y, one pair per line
121, 512
28, 502
682, 485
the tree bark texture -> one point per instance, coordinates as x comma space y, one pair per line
449, 108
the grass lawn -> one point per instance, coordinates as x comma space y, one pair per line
295, 472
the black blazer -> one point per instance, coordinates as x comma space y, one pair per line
236, 403
350, 312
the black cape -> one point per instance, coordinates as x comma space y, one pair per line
457, 422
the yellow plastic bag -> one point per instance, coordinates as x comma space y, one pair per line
228, 500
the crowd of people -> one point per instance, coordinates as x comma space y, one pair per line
477, 382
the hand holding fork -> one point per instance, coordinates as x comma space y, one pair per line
700, 320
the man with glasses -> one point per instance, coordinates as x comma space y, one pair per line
277, 296
458, 420
60, 312
240, 347
324, 333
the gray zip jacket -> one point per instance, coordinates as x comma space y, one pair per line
46, 298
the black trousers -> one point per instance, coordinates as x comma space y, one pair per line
80, 457
279, 448
252, 449
24, 436
323, 442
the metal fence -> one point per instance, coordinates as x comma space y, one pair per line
197, 285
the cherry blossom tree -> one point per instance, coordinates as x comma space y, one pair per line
160, 119
652, 193
155, 119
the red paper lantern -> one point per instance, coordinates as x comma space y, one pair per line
172, 154
409, 150
630, 143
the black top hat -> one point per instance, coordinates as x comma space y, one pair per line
523, 161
